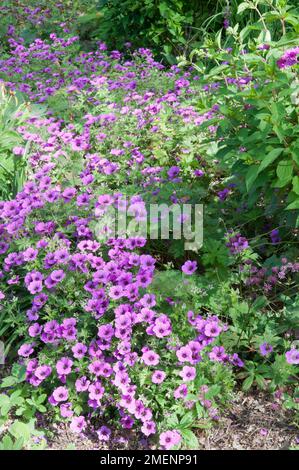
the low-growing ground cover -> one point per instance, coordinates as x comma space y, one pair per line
137, 332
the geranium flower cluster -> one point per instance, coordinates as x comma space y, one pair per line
92, 365
92, 357
236, 243
289, 58
36, 16
268, 279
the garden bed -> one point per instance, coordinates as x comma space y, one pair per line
149, 216
253, 422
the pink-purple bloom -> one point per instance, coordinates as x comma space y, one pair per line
266, 349
78, 424
104, 433
189, 267
158, 376
292, 356
289, 58
169, 439
60, 394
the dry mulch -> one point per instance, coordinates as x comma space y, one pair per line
64, 439
252, 423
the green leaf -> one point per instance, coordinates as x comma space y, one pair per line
19, 411
41, 408
214, 390
293, 205
173, 421
270, 157
6, 443
295, 156
190, 439
278, 111
187, 420
260, 302
242, 7
9, 139
251, 176
295, 182
19, 372
260, 381
216, 71
247, 383
8, 382
284, 170
41, 398
19, 429
18, 444
5, 404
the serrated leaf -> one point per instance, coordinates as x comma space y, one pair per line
8, 382
6, 443
190, 439
187, 420
247, 383
260, 381
20, 430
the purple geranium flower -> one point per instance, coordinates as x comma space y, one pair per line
25, 350
64, 366
60, 394
265, 349
169, 439
42, 372
158, 376
78, 424
188, 373
150, 358
104, 433
292, 356
289, 58
189, 267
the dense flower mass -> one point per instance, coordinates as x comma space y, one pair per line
289, 58
108, 328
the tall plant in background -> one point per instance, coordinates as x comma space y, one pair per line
173, 27
166, 26
169, 27
13, 162
254, 82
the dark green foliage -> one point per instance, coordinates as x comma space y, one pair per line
174, 27
166, 26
